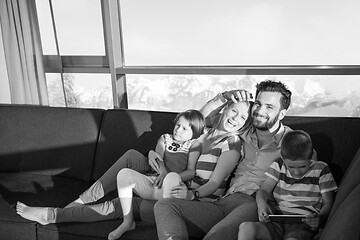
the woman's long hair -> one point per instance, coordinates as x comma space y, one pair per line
246, 125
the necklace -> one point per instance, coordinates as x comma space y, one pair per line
174, 147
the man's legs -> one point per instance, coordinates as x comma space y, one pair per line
107, 182
179, 218
238, 208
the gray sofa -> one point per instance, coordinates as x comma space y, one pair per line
48, 156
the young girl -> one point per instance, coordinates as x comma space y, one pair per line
172, 154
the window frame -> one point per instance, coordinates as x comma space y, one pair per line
113, 61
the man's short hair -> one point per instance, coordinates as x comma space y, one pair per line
297, 145
272, 86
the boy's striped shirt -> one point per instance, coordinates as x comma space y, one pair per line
303, 195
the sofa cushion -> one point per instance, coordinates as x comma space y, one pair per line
345, 222
95, 230
49, 140
335, 139
33, 190
122, 130
349, 182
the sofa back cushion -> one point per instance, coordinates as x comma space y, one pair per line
49, 140
123, 129
335, 139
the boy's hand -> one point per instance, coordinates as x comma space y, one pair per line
263, 213
312, 221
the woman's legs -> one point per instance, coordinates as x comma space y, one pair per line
107, 182
108, 210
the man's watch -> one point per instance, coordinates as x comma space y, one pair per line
196, 194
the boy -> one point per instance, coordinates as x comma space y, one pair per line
300, 186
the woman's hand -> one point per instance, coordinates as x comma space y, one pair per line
181, 191
312, 221
153, 158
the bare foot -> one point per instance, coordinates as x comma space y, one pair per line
75, 203
37, 214
124, 227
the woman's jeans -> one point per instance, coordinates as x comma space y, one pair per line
110, 209
179, 219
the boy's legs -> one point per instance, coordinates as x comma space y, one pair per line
299, 231
107, 182
253, 231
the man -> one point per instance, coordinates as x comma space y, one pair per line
179, 219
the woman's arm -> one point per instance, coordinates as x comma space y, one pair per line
225, 165
212, 109
194, 154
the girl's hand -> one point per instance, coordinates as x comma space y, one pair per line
312, 221
180, 191
159, 181
154, 157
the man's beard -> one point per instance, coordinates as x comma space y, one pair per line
267, 124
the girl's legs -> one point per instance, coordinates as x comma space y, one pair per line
171, 180
107, 182
128, 181
253, 231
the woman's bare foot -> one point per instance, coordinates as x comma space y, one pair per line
37, 214
75, 203
124, 227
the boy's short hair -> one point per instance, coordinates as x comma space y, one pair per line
196, 121
297, 145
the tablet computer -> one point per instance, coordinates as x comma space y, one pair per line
287, 218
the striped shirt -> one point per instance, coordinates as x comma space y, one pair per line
208, 159
301, 196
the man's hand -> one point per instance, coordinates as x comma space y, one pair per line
238, 95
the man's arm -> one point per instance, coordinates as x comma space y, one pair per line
212, 108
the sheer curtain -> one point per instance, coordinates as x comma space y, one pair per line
24, 75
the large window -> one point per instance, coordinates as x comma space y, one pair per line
311, 95
246, 32
171, 56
